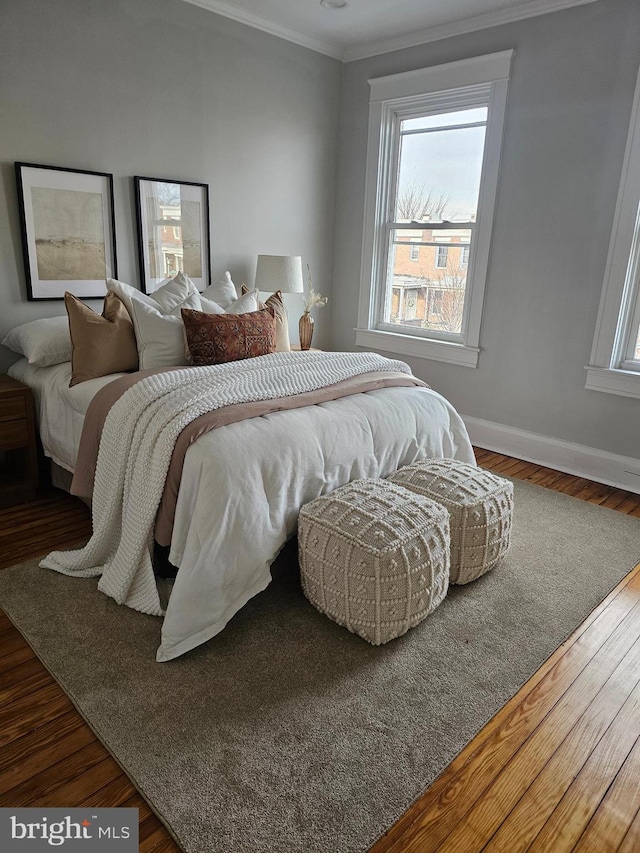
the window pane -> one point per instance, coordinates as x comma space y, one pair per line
427, 292
177, 230
442, 256
439, 175
445, 119
637, 349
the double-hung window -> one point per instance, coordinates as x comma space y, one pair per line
442, 257
432, 170
615, 358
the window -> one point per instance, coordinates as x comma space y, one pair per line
615, 357
432, 168
436, 302
442, 256
415, 252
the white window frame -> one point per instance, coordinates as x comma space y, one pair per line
477, 81
611, 367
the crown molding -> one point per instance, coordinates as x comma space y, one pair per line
258, 23
479, 22
530, 9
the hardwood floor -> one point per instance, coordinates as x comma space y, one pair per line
557, 769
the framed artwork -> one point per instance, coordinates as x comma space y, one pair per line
68, 231
173, 231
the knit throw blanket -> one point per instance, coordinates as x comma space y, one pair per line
136, 446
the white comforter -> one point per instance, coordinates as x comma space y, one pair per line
225, 538
243, 485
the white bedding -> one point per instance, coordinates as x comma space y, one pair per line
243, 485
60, 410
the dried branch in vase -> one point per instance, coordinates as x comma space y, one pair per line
313, 299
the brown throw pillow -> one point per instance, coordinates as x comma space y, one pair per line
100, 345
282, 323
276, 302
217, 338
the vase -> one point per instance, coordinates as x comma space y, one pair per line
305, 328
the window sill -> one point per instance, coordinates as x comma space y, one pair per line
623, 382
418, 347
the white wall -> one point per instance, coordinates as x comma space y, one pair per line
162, 88
567, 120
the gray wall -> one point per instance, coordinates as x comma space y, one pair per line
567, 119
165, 89
162, 88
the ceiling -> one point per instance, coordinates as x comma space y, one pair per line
368, 27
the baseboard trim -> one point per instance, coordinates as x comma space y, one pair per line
622, 472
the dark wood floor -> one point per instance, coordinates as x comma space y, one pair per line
557, 769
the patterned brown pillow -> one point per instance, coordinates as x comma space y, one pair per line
216, 338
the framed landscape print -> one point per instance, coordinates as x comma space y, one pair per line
173, 231
68, 230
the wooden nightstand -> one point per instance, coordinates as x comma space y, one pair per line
18, 456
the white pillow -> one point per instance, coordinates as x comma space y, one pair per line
176, 293
247, 302
157, 321
210, 307
160, 338
43, 342
222, 292
179, 292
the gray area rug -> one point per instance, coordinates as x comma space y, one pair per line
286, 733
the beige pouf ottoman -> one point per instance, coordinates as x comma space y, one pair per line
374, 557
480, 506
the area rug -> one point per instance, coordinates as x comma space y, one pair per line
286, 733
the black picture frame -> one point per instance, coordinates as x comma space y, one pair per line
166, 249
68, 231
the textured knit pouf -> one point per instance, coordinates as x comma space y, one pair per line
480, 506
374, 557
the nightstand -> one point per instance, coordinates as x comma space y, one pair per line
18, 456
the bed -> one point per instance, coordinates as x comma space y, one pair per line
243, 483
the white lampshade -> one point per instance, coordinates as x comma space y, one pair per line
279, 272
